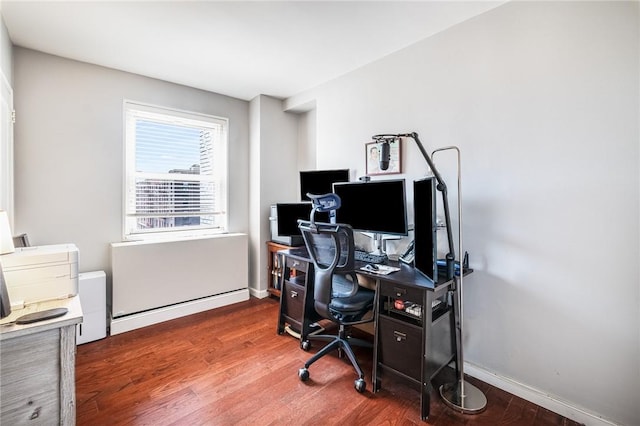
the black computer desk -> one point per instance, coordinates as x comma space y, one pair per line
411, 343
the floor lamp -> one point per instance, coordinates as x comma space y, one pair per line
461, 395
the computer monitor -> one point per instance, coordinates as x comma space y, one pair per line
287, 215
425, 229
375, 206
320, 181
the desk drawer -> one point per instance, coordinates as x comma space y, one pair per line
400, 346
296, 264
292, 298
402, 292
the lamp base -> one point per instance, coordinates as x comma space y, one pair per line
472, 402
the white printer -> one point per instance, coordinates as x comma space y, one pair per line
39, 273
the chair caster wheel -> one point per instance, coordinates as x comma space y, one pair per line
306, 345
303, 373
360, 385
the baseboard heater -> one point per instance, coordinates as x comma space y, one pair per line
155, 281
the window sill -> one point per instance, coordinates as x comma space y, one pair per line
137, 239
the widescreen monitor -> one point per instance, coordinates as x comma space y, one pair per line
375, 206
320, 182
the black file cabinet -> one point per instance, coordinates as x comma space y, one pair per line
414, 337
296, 300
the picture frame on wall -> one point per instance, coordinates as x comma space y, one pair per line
372, 156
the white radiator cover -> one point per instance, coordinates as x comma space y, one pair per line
156, 275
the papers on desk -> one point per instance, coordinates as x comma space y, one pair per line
380, 269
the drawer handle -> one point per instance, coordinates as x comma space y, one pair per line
400, 336
400, 291
294, 294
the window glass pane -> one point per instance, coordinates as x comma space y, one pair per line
167, 148
176, 170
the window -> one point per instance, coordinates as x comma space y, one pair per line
176, 172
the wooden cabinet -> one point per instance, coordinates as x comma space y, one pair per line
274, 267
37, 367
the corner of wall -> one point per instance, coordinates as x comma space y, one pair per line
6, 49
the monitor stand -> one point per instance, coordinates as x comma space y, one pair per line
380, 244
380, 251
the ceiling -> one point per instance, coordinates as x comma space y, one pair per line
236, 48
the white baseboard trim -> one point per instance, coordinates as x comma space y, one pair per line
143, 319
536, 396
260, 294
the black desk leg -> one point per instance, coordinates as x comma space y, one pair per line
281, 279
425, 400
376, 306
280, 328
304, 334
375, 379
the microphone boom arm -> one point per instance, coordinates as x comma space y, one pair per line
442, 187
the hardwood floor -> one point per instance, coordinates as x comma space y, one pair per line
229, 367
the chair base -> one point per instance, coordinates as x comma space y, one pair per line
341, 342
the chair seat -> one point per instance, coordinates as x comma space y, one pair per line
362, 300
356, 305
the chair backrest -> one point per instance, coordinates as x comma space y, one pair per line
331, 248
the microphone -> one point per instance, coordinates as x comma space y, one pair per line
385, 156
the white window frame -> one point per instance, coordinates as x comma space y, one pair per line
179, 117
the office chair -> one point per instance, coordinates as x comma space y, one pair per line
337, 295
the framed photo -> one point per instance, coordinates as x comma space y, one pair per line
372, 155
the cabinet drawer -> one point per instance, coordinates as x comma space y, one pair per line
402, 292
292, 299
400, 346
30, 384
296, 264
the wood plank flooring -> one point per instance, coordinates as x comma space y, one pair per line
229, 367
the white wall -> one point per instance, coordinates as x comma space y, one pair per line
306, 141
543, 100
6, 52
274, 176
69, 149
